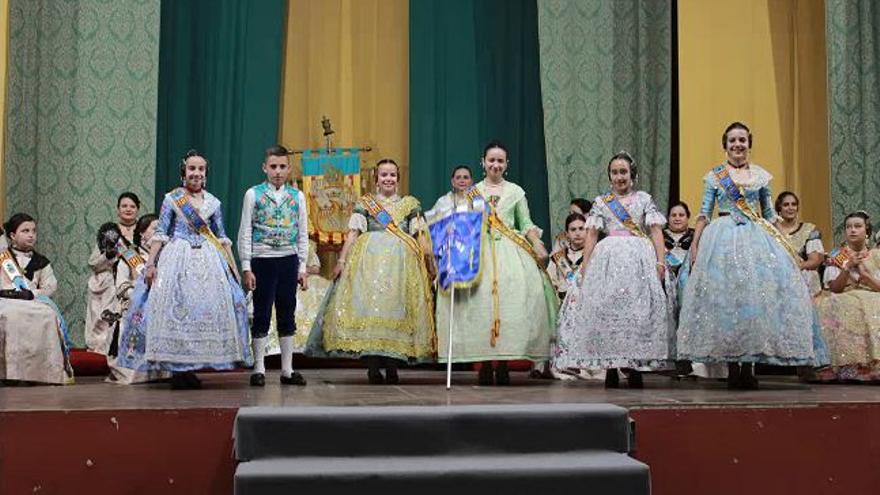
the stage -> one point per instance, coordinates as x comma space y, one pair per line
697, 437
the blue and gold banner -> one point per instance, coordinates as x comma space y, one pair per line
332, 186
457, 238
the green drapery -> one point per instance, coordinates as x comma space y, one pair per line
219, 87
853, 37
606, 84
474, 77
81, 123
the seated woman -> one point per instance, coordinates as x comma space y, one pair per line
850, 310
32, 332
101, 295
804, 237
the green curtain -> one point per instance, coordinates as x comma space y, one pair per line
606, 84
81, 124
853, 41
220, 71
474, 77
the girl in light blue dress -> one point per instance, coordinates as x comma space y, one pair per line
188, 311
745, 300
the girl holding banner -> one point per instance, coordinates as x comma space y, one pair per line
188, 312
509, 312
619, 316
380, 306
745, 300
33, 335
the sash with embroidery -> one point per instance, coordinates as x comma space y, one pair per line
14, 272
839, 258
496, 223
386, 220
195, 220
11, 269
131, 257
736, 196
569, 270
622, 214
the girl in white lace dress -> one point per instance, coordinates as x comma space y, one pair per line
618, 317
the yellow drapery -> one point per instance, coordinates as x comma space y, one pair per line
348, 60
761, 62
4, 46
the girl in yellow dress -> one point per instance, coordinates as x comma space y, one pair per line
380, 306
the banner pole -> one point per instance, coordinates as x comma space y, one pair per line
449, 346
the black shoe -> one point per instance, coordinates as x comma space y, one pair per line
485, 376
502, 375
258, 380
733, 379
611, 378
375, 377
186, 380
634, 379
747, 380
391, 376
295, 378
192, 380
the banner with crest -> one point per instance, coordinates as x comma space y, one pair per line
332, 186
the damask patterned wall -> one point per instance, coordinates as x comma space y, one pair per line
606, 86
81, 124
853, 37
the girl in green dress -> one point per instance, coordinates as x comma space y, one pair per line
510, 313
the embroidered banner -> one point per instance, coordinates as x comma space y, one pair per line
332, 186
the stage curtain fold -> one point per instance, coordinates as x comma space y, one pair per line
606, 85
220, 66
853, 31
4, 36
348, 60
474, 76
773, 78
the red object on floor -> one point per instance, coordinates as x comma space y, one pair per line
87, 363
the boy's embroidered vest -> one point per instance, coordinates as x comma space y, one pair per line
275, 224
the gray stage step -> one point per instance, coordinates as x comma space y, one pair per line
262, 433
592, 472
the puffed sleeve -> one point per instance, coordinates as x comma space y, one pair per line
358, 219
652, 214
595, 220
767, 209
48, 284
707, 206
165, 229
523, 219
415, 219
814, 243
831, 273
216, 224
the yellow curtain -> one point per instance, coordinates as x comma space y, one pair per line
348, 60
4, 46
762, 63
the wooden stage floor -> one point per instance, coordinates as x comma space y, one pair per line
348, 387
696, 436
